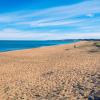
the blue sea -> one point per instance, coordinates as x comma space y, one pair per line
10, 45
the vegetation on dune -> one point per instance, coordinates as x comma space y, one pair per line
97, 44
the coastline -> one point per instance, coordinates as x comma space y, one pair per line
60, 70
78, 42
32, 44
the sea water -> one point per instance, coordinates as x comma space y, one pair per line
10, 45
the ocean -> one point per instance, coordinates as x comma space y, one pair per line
10, 45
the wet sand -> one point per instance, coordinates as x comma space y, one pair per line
65, 72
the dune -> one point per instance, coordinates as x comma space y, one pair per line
65, 72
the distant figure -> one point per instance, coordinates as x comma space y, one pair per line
74, 46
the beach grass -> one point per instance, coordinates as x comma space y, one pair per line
97, 44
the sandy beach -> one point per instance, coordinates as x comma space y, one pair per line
64, 72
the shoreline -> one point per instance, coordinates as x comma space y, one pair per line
42, 47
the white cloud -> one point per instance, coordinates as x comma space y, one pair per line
13, 34
90, 15
88, 8
51, 23
63, 15
83, 36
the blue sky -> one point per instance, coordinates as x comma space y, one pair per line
49, 19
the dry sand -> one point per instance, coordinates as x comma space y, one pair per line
51, 73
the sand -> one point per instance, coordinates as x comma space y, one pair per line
51, 73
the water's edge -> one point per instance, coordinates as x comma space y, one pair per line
21, 45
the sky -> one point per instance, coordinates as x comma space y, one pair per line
49, 19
